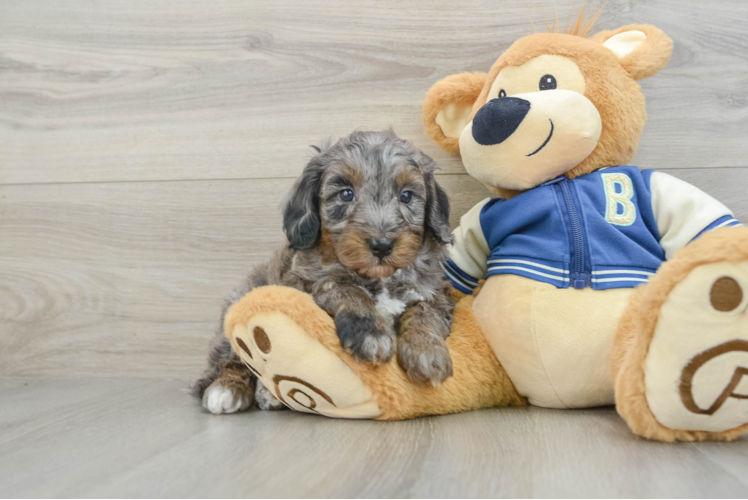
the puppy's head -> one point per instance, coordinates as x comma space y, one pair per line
369, 201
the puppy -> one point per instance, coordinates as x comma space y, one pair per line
367, 227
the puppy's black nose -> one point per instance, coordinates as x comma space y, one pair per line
381, 247
498, 119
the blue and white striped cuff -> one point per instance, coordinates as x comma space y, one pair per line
459, 278
615, 278
533, 270
726, 221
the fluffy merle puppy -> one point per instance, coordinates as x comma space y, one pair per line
367, 227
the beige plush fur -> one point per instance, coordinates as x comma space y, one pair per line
535, 331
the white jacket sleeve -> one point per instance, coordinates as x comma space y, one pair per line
468, 255
683, 212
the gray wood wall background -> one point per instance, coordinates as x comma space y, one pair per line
145, 146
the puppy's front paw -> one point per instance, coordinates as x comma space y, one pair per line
266, 400
425, 358
219, 398
366, 337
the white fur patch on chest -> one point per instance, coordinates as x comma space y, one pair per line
389, 307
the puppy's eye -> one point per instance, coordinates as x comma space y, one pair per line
406, 196
502, 93
347, 195
547, 82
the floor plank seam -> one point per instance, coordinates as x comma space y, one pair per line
234, 179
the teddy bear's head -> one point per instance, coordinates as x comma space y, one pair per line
553, 104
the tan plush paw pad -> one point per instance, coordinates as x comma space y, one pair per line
298, 370
696, 370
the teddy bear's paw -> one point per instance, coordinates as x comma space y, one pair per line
266, 400
219, 399
425, 358
696, 368
297, 370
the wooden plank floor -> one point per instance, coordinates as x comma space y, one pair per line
140, 438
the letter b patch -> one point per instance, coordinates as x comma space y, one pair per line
619, 209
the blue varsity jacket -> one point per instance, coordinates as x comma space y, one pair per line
608, 229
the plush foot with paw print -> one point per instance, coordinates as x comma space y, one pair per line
684, 374
291, 345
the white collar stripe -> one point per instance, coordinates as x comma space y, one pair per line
528, 263
608, 280
493, 268
623, 271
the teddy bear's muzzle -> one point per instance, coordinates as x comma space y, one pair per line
519, 142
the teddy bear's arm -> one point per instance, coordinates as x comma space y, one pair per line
684, 212
468, 255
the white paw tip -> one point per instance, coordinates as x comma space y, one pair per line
219, 399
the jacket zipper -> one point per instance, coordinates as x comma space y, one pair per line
579, 280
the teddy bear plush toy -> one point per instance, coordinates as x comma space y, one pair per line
585, 282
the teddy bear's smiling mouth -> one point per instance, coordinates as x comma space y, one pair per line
545, 142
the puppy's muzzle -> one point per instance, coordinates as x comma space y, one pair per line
498, 119
381, 247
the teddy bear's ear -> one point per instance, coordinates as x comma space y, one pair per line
448, 106
641, 49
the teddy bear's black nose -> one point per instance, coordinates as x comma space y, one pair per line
498, 119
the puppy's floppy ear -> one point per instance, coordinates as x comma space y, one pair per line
437, 202
437, 210
301, 221
642, 50
448, 106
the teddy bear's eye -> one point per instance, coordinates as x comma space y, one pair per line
547, 82
502, 93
